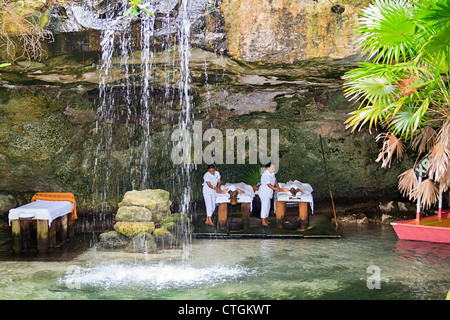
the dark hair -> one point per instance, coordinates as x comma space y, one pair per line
268, 165
211, 166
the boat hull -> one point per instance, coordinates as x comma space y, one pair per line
431, 229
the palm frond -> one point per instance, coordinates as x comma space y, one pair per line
391, 145
444, 133
427, 192
407, 182
439, 161
387, 30
425, 140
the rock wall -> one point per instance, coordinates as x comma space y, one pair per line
254, 65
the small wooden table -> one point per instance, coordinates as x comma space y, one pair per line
46, 236
280, 211
223, 215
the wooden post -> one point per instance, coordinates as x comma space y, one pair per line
42, 235
63, 227
245, 212
52, 235
303, 214
280, 211
223, 215
25, 233
71, 227
17, 239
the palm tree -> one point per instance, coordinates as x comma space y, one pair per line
404, 87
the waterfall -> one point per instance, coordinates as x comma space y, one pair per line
127, 95
185, 98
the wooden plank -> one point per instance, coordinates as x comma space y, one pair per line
245, 212
42, 235
223, 212
280, 208
319, 227
17, 239
303, 215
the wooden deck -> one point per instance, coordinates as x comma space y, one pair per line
319, 227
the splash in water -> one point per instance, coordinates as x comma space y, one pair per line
159, 277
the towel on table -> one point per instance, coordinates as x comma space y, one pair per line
246, 197
41, 210
299, 197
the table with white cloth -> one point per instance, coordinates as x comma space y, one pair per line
245, 199
300, 198
45, 213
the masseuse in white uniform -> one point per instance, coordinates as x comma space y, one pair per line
211, 185
269, 184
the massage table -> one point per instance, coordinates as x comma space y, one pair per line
48, 210
301, 199
245, 199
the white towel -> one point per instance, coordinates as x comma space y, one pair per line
299, 197
41, 210
246, 197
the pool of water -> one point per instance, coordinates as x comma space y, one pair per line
368, 262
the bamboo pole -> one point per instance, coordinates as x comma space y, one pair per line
328, 181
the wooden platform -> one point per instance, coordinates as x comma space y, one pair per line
319, 227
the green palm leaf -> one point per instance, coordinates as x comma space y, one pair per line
388, 31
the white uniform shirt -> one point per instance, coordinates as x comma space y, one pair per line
213, 179
264, 190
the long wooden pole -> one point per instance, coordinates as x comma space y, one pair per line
328, 181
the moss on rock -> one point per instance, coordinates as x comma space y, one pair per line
130, 229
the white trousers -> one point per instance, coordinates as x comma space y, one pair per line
265, 207
210, 202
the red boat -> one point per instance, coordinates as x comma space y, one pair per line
434, 228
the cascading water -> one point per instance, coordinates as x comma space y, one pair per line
130, 98
126, 94
185, 98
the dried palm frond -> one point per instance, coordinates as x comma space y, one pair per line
444, 183
444, 133
439, 161
405, 86
425, 140
407, 182
391, 145
427, 192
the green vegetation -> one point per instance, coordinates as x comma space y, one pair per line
404, 86
135, 7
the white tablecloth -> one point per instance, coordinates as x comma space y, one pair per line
41, 210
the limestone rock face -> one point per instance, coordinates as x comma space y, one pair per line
289, 31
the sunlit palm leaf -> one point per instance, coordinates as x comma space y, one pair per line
371, 114
387, 30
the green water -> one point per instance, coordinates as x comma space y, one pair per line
244, 269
